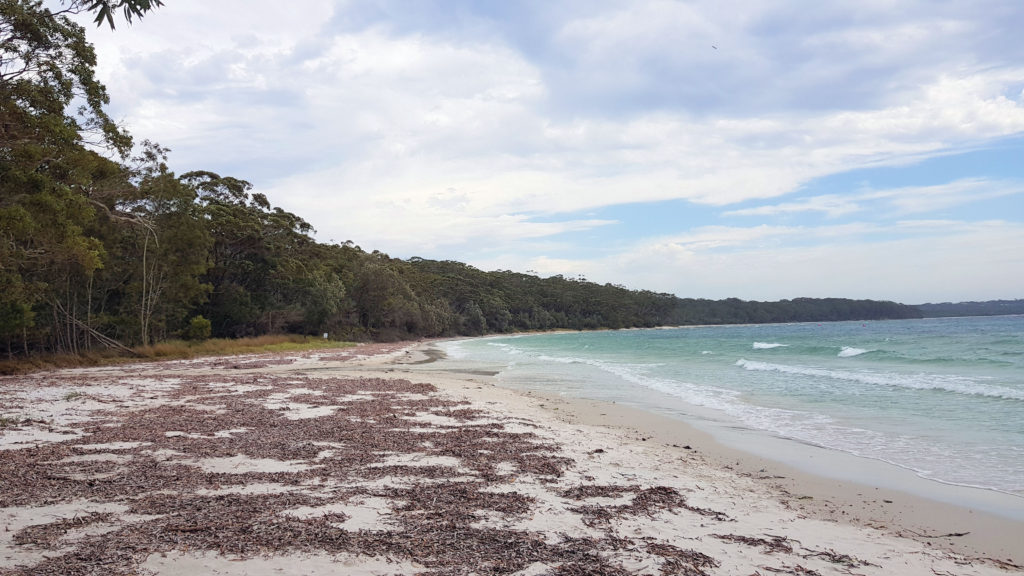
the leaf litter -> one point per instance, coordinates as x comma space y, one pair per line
177, 501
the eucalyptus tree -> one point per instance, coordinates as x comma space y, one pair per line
53, 127
266, 272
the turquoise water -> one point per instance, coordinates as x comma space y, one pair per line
941, 397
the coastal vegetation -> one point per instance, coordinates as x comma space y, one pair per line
103, 247
989, 308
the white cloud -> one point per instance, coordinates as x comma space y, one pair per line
894, 202
940, 261
583, 165
831, 205
918, 199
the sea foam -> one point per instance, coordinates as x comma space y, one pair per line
940, 382
850, 351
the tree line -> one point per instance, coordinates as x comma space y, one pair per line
101, 245
987, 308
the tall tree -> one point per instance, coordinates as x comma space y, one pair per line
52, 121
159, 249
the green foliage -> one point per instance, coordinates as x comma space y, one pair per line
199, 329
50, 183
16, 314
264, 273
989, 308
505, 301
47, 63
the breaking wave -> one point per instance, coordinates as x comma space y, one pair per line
941, 382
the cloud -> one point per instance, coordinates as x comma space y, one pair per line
922, 199
893, 202
772, 56
976, 261
557, 167
831, 205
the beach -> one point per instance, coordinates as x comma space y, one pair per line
372, 460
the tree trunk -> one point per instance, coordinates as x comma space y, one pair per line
143, 320
88, 313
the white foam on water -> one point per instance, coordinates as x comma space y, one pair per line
507, 348
809, 427
850, 351
453, 350
561, 359
768, 345
822, 430
920, 381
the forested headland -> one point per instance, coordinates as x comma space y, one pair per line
987, 308
102, 246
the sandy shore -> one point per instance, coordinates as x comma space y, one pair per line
373, 461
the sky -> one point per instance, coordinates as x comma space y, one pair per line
760, 150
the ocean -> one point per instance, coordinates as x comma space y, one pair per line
943, 398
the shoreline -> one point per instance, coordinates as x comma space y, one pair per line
373, 460
877, 421
975, 532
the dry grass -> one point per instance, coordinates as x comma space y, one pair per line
173, 350
56, 361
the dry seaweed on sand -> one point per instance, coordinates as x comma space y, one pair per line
680, 561
837, 558
645, 501
47, 535
599, 568
796, 570
584, 491
769, 545
192, 446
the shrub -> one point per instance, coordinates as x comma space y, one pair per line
199, 329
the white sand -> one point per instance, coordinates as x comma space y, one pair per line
175, 564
